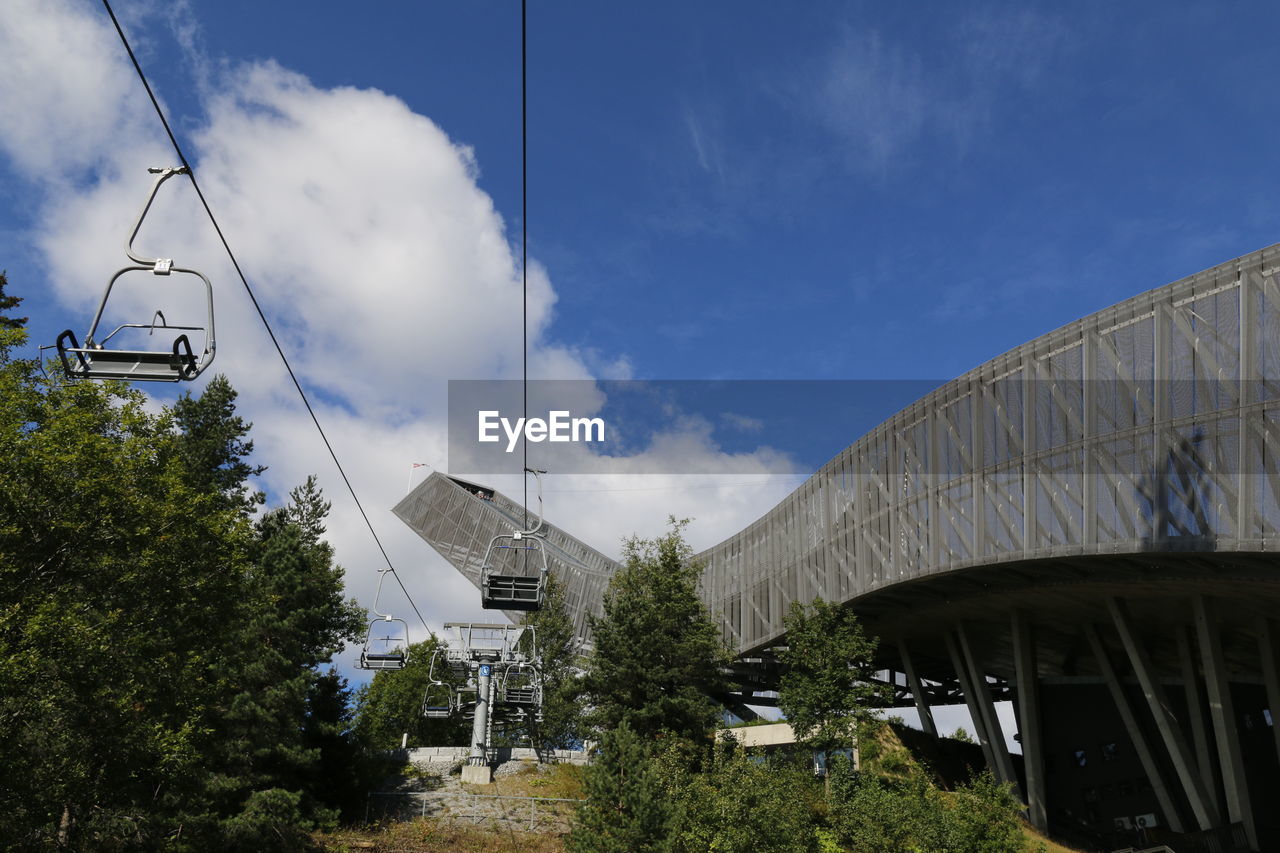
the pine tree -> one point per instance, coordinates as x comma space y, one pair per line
626, 809
562, 711
658, 659
213, 446
7, 302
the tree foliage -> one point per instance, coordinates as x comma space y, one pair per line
158, 646
7, 302
626, 809
562, 711
739, 805
658, 659
390, 706
826, 686
907, 815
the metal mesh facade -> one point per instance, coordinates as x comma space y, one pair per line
1059, 448
1153, 425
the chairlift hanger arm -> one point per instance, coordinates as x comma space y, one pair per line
382, 575
537, 528
157, 265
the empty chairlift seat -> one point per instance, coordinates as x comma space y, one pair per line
514, 573
389, 651
438, 703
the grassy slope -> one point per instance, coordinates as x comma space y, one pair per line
893, 750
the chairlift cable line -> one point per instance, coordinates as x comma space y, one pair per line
524, 238
252, 298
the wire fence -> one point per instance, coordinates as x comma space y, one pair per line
529, 813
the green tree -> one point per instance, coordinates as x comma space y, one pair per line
293, 618
390, 705
157, 647
658, 659
826, 687
214, 447
7, 302
739, 805
909, 814
118, 579
626, 809
562, 710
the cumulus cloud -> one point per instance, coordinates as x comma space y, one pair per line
383, 267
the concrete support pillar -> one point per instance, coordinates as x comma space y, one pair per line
1139, 740
917, 690
1194, 689
1175, 743
1222, 713
1028, 687
1270, 674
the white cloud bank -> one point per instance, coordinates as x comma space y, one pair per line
383, 266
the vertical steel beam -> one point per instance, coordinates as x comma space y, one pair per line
1194, 690
1029, 391
986, 705
978, 461
917, 690
1270, 675
1222, 712
1175, 743
1028, 687
1136, 735
1248, 377
1089, 406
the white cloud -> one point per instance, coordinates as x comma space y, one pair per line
383, 267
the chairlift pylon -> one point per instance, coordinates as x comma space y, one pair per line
518, 589
176, 361
387, 652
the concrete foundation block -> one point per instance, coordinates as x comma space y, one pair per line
477, 775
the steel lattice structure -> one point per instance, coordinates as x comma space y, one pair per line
1054, 449
1047, 451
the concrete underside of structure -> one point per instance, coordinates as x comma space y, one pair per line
1087, 525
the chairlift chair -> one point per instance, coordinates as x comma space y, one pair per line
173, 362
388, 652
438, 702
440, 699
518, 589
522, 686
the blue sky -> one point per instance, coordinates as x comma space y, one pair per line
834, 190
717, 190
